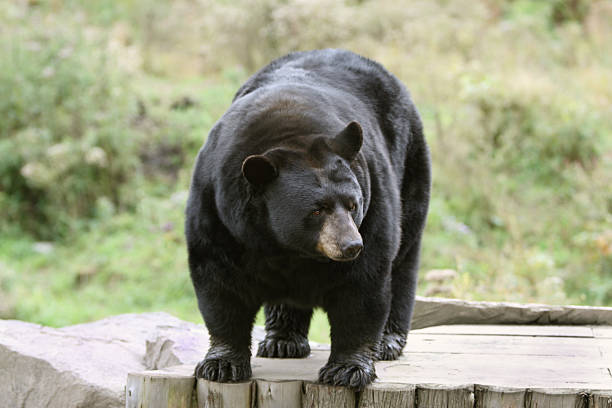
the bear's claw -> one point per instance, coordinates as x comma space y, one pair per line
223, 370
391, 347
354, 374
292, 346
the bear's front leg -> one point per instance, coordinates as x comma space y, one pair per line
286, 332
357, 316
229, 321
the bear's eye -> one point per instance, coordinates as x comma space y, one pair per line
316, 212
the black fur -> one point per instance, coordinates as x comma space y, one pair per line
252, 226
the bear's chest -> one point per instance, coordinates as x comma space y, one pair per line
290, 279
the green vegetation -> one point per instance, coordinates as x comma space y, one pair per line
105, 104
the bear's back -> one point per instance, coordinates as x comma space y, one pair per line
337, 69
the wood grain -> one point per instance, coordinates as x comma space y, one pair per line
278, 394
327, 396
159, 389
224, 395
387, 395
498, 397
566, 398
601, 399
434, 395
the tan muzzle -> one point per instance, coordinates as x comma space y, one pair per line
339, 238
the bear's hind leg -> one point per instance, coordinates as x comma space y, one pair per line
286, 332
403, 283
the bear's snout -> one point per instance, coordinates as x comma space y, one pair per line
352, 249
339, 239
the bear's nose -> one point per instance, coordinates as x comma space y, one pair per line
351, 249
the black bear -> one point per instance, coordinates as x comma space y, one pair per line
311, 191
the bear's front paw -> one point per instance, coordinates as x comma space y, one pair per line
391, 347
221, 369
284, 346
354, 373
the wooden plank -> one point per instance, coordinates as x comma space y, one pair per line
279, 369
159, 389
498, 397
434, 395
388, 395
557, 398
510, 330
456, 368
581, 347
278, 394
327, 396
600, 399
511, 371
437, 311
558, 363
586, 369
224, 395
604, 346
602, 331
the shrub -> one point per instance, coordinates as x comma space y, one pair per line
529, 133
65, 142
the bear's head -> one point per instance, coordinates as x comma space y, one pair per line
312, 197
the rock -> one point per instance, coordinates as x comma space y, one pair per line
85, 365
439, 275
43, 367
439, 290
183, 345
186, 345
44, 248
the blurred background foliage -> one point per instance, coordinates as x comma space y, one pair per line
104, 105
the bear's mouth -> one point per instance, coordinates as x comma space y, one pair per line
344, 258
318, 257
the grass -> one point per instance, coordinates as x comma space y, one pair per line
127, 263
514, 96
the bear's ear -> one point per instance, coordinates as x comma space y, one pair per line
258, 170
348, 142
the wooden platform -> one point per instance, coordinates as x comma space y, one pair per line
443, 366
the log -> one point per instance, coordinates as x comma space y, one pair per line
388, 395
600, 399
434, 395
224, 395
159, 389
278, 394
327, 396
498, 397
438, 311
556, 398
